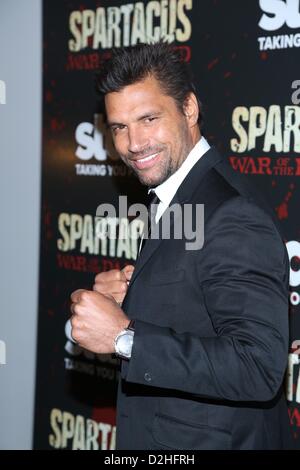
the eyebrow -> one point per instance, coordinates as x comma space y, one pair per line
140, 118
112, 124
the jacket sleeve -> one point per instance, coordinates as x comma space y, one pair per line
243, 272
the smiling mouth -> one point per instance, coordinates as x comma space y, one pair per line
146, 162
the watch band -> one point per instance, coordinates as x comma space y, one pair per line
124, 342
131, 325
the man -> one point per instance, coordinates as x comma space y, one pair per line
204, 359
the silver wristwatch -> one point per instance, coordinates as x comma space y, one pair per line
124, 342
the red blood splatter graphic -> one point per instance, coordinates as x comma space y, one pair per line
56, 125
213, 63
282, 209
48, 96
185, 52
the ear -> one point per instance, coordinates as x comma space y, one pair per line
191, 109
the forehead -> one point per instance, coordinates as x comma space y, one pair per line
137, 99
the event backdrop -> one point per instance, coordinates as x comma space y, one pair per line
245, 60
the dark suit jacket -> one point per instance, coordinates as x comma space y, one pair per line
211, 327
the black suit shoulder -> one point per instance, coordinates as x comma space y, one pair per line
213, 191
226, 184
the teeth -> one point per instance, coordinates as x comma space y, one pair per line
148, 158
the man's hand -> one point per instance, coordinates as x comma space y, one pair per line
114, 283
97, 319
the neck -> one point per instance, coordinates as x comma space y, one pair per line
195, 135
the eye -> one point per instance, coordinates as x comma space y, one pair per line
117, 128
150, 119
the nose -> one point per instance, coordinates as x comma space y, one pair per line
138, 140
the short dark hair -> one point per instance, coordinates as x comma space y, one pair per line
129, 65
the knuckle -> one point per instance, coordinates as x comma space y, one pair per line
73, 296
74, 322
76, 334
85, 296
123, 287
73, 309
101, 276
119, 275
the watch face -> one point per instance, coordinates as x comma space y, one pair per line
124, 344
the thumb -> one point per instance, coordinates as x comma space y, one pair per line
128, 271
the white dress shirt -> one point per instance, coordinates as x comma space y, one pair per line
167, 190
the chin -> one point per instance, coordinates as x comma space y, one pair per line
154, 179
150, 182
146, 182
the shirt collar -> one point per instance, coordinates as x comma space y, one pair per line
166, 190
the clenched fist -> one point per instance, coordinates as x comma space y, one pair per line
96, 320
114, 282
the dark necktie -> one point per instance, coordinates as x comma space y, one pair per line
152, 209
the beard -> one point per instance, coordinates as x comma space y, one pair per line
168, 162
165, 168
163, 171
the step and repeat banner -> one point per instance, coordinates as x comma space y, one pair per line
245, 59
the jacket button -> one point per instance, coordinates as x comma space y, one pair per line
147, 377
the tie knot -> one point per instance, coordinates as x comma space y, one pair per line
153, 198
153, 201
152, 206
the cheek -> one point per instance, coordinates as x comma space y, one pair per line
162, 136
168, 132
120, 143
